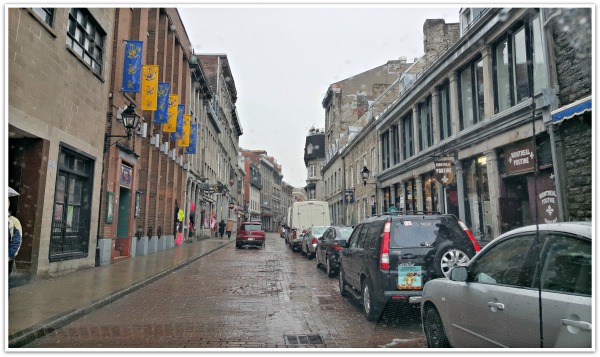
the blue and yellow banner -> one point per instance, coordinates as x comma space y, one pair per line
179, 129
149, 87
161, 116
185, 136
132, 66
191, 148
171, 125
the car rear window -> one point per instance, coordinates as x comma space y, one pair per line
421, 232
345, 233
317, 231
250, 227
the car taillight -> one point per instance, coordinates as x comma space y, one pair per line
384, 254
294, 236
336, 247
470, 235
315, 241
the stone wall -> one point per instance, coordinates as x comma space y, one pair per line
577, 134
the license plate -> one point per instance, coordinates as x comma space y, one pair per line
409, 278
250, 238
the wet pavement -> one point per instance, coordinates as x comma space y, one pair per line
38, 306
237, 299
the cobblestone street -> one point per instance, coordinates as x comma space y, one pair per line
239, 298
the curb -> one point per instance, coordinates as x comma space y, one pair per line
23, 337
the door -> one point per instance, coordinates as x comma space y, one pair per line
348, 256
566, 297
487, 298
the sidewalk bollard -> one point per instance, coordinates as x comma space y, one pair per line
149, 232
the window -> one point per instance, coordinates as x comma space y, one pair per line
385, 149
445, 121
312, 171
72, 207
395, 145
86, 38
504, 263
567, 265
407, 137
353, 240
425, 125
46, 14
470, 82
511, 55
373, 161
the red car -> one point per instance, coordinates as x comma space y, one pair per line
250, 233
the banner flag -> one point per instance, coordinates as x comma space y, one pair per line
179, 129
132, 66
171, 125
191, 149
149, 87
161, 116
185, 137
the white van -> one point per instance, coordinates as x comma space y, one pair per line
303, 215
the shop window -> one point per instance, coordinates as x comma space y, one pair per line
72, 207
445, 121
510, 56
425, 125
410, 193
86, 38
430, 194
470, 83
407, 137
477, 200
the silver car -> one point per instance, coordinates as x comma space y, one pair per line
308, 246
495, 300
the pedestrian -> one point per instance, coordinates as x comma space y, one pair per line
221, 228
15, 234
175, 219
179, 238
229, 228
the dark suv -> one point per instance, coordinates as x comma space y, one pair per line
391, 256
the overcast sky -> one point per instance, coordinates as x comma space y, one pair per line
284, 58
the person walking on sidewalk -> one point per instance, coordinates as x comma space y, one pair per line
221, 228
15, 234
229, 228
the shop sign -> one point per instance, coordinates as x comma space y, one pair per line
546, 199
125, 176
519, 158
444, 172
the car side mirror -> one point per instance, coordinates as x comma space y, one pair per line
459, 273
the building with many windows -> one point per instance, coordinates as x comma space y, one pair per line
58, 69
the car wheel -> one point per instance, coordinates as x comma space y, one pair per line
449, 256
368, 304
342, 284
238, 246
434, 329
330, 271
318, 263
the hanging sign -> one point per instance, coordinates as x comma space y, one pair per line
349, 196
444, 172
149, 87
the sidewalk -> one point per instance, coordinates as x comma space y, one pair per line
44, 305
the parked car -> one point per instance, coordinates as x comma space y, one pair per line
302, 216
250, 233
391, 256
495, 301
308, 244
329, 246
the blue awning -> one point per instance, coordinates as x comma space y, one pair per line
571, 110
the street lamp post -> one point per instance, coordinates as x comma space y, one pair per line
365, 176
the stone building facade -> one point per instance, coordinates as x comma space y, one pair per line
569, 39
57, 113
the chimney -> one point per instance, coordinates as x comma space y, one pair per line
402, 59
